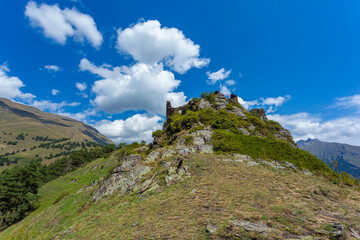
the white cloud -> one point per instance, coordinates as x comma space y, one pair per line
213, 77
52, 68
230, 82
225, 91
134, 129
10, 86
51, 106
139, 87
81, 86
59, 24
349, 101
270, 104
247, 104
304, 125
55, 92
81, 116
149, 43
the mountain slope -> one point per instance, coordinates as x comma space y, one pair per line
215, 171
347, 156
22, 128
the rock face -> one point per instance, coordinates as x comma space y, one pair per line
221, 101
123, 178
204, 104
259, 113
201, 142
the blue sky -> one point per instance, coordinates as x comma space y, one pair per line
114, 64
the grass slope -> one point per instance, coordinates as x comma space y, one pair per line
218, 191
16, 119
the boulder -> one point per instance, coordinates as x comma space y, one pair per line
153, 156
211, 228
251, 227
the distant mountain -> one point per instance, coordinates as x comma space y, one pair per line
348, 156
27, 132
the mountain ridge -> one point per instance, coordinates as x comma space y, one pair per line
24, 128
346, 155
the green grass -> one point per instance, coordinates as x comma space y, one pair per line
224, 191
271, 149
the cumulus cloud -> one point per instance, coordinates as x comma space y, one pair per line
58, 24
134, 129
149, 43
80, 116
230, 82
139, 87
247, 104
53, 68
47, 105
55, 92
305, 125
270, 104
225, 91
81, 86
10, 86
349, 101
213, 77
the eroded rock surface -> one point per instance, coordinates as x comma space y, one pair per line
124, 177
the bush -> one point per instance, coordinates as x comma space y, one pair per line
257, 147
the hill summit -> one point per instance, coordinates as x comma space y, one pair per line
216, 111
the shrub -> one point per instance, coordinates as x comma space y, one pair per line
254, 146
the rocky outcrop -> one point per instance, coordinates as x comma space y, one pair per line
284, 134
124, 177
260, 113
201, 142
221, 101
204, 104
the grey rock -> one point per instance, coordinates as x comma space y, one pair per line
290, 165
251, 127
165, 164
307, 172
337, 231
153, 156
128, 163
175, 175
205, 134
168, 153
260, 113
251, 163
211, 228
221, 101
251, 227
204, 104
238, 112
124, 177
199, 140
242, 157
206, 148
244, 131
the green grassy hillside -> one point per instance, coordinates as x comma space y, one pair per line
213, 172
291, 203
23, 129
